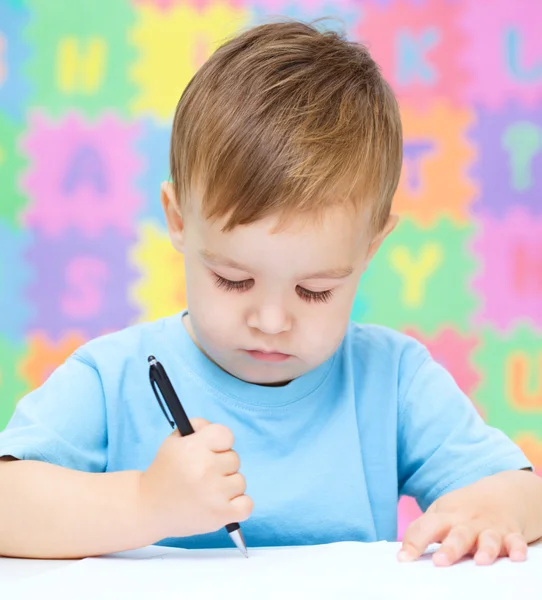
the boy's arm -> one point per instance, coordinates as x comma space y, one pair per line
496, 516
467, 476
192, 487
47, 511
76, 509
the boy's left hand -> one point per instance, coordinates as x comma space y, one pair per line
496, 516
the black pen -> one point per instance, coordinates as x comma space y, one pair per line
159, 379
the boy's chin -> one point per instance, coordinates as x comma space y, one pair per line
275, 377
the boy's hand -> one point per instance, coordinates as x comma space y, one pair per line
193, 485
496, 516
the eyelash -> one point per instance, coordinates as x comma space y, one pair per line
310, 296
242, 286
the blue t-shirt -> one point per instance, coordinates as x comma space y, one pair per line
325, 457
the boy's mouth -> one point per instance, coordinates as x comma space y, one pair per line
268, 356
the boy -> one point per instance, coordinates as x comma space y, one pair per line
285, 154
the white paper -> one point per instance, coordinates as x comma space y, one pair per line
334, 571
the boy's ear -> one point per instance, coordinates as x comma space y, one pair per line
380, 237
174, 218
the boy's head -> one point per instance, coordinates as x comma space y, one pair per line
286, 151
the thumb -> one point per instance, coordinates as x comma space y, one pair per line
198, 423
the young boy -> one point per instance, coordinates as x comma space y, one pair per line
285, 155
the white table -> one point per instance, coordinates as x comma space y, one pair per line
17, 568
12, 569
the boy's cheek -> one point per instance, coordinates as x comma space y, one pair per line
214, 320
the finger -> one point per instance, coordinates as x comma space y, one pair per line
429, 528
515, 547
459, 542
488, 548
236, 485
198, 424
228, 462
241, 508
217, 437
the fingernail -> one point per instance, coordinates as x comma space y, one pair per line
405, 556
482, 558
517, 555
441, 558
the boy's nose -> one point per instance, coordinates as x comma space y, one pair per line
269, 319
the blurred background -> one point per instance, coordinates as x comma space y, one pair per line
87, 94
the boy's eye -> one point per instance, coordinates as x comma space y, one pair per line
310, 296
229, 285
246, 284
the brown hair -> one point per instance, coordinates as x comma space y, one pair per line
284, 119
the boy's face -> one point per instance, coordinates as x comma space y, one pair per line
269, 306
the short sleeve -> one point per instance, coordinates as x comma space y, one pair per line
62, 422
443, 443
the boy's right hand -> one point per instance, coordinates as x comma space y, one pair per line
193, 485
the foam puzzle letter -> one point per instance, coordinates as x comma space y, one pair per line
415, 272
86, 167
521, 368
527, 268
81, 70
86, 278
522, 141
512, 43
415, 152
412, 63
45, 355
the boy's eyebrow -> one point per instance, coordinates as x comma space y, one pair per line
337, 273
215, 258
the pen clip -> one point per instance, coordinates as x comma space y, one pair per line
157, 394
